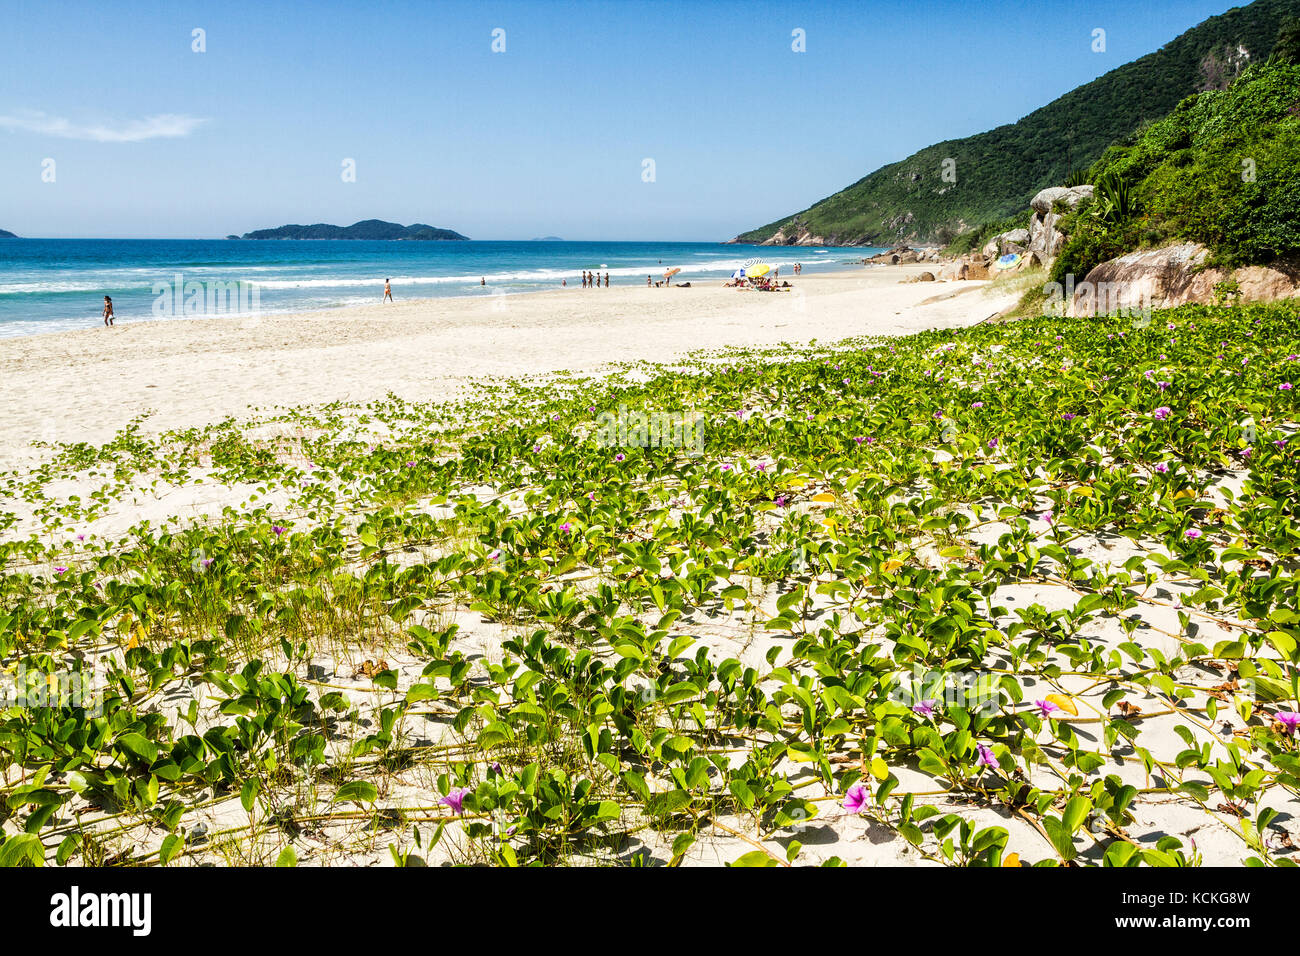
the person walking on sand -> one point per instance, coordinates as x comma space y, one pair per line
606, 280
108, 310
388, 291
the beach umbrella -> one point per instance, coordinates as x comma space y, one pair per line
758, 270
738, 274
752, 262
1009, 261
671, 272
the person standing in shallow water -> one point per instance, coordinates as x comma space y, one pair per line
388, 292
108, 310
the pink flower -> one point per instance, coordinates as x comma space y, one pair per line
1045, 707
1162, 468
566, 526
976, 404
1193, 533
780, 501
1049, 516
1285, 387
455, 800
924, 707
855, 798
1289, 719
1163, 412
986, 758
278, 529
60, 570
619, 457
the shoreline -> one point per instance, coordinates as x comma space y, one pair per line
87, 384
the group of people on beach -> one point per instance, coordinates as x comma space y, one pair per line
591, 280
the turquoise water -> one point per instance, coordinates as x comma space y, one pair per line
49, 285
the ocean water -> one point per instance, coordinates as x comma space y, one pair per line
50, 285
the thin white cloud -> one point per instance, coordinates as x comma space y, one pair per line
160, 126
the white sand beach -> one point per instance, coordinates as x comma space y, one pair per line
87, 385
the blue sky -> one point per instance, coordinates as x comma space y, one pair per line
150, 139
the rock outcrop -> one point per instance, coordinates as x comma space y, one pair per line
1175, 275
902, 256
1049, 205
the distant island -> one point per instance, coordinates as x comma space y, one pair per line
366, 229
547, 239
7, 235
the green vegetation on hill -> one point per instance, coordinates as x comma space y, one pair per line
366, 229
999, 171
1222, 169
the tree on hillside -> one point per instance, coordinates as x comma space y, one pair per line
1287, 47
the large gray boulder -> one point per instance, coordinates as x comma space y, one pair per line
1148, 279
1071, 196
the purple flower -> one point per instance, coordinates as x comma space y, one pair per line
455, 800
1045, 707
1285, 387
567, 526
938, 414
278, 529
780, 501
986, 758
1289, 719
924, 707
1163, 386
1163, 412
619, 457
993, 443
855, 798
60, 570
976, 404
206, 562
1193, 533
1247, 452
1069, 416
410, 464
494, 555
1162, 468
1049, 516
